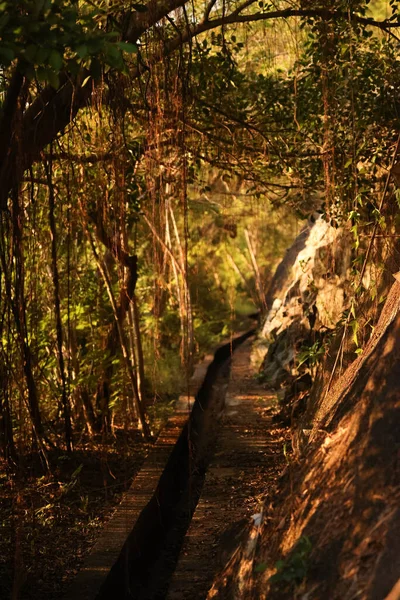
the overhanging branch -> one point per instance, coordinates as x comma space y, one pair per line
53, 109
237, 17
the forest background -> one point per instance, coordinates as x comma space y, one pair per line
155, 162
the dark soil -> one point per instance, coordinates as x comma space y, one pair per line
49, 522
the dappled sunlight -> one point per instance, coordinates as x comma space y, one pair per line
199, 299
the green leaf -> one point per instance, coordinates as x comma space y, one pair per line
53, 79
30, 53
76, 472
42, 54
4, 19
7, 54
95, 45
41, 74
49, 76
82, 51
113, 57
29, 72
56, 60
127, 47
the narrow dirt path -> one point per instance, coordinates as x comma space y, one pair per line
248, 458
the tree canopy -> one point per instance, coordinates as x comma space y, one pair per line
156, 159
169, 136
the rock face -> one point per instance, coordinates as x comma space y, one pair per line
342, 500
333, 529
308, 293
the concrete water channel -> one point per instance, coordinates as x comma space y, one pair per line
137, 553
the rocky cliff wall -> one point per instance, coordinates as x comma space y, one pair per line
333, 528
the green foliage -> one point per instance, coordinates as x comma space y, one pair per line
295, 567
49, 36
260, 568
250, 157
311, 355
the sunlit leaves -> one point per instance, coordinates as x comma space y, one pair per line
48, 36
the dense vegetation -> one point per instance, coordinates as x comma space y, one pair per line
155, 161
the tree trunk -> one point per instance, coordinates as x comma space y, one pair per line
57, 309
257, 275
139, 347
116, 332
88, 412
6, 431
187, 325
17, 302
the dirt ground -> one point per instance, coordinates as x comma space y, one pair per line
48, 522
333, 528
248, 458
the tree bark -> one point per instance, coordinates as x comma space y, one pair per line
120, 333
18, 308
6, 431
57, 309
139, 348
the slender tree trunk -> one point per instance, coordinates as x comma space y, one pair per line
88, 411
125, 353
133, 355
117, 330
121, 310
139, 347
7, 444
256, 271
57, 309
17, 302
81, 394
14, 105
181, 304
9, 110
188, 338
247, 285
6, 431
